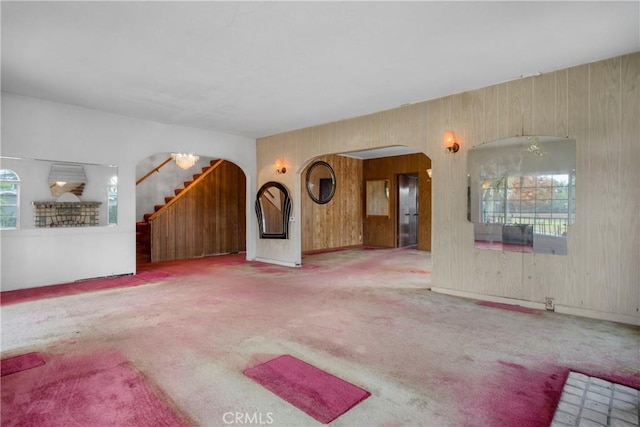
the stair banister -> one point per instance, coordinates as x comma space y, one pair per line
184, 191
156, 169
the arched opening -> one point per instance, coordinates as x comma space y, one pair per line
188, 210
401, 178
9, 199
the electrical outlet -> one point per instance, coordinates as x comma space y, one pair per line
548, 304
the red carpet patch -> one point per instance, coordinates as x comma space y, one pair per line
87, 390
20, 363
321, 395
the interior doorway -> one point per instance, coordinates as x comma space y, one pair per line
407, 209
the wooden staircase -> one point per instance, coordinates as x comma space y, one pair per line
143, 228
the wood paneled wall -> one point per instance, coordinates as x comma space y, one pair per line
209, 219
596, 104
339, 222
382, 231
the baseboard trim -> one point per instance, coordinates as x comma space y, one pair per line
600, 315
277, 262
490, 298
559, 308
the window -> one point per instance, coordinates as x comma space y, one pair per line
113, 200
544, 201
521, 193
9, 199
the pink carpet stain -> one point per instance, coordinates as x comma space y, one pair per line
87, 390
510, 307
20, 363
515, 395
74, 288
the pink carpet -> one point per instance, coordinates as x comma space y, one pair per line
74, 288
20, 363
509, 307
88, 390
321, 395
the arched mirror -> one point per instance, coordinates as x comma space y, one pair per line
321, 182
273, 207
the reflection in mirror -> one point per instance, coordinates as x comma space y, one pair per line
56, 194
113, 199
377, 197
321, 182
9, 190
521, 194
273, 207
67, 178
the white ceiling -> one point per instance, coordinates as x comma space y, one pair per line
261, 68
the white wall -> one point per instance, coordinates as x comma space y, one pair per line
34, 186
33, 128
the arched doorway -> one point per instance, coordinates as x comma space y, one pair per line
189, 211
345, 221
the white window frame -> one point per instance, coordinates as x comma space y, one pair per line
15, 182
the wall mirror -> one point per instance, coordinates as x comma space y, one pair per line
56, 194
321, 182
377, 197
521, 193
273, 207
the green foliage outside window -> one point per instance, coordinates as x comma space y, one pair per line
545, 201
8, 199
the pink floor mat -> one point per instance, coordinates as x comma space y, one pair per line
321, 395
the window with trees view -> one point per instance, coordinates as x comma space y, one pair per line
544, 201
9, 199
113, 199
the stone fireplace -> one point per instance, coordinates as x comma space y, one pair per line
66, 214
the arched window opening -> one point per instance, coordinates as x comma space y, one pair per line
113, 200
9, 199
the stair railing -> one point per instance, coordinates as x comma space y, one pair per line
186, 189
156, 169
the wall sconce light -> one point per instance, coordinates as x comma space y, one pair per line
280, 168
450, 142
429, 172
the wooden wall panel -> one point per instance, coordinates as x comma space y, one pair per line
543, 114
596, 104
573, 291
490, 115
339, 222
382, 231
629, 297
604, 181
209, 219
561, 103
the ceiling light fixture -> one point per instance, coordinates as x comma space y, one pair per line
185, 161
